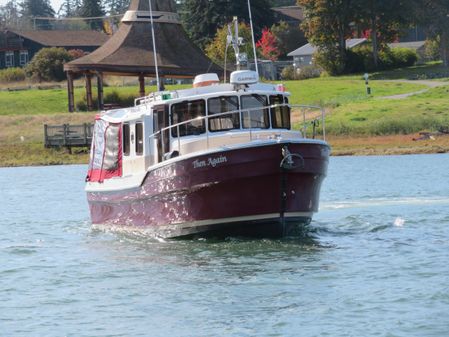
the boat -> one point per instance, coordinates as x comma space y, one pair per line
216, 159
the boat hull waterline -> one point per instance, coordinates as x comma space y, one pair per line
241, 191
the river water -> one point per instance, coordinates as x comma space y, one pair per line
374, 262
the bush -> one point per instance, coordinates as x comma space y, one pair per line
304, 73
9, 75
112, 97
361, 59
48, 64
432, 50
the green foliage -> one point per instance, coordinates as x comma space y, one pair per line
92, 8
360, 59
9, 75
115, 97
202, 18
432, 49
47, 64
216, 49
330, 60
304, 73
289, 37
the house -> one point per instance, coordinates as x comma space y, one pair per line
303, 56
418, 46
17, 48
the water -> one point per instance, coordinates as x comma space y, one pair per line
374, 263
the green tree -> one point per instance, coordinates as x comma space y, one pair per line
202, 18
48, 64
9, 14
216, 49
384, 20
116, 6
289, 37
92, 8
33, 8
433, 14
327, 25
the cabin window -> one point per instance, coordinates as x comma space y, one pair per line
139, 138
126, 143
255, 111
280, 114
23, 57
9, 59
221, 105
189, 111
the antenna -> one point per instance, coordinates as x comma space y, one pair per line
154, 48
252, 35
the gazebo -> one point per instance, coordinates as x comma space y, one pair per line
129, 52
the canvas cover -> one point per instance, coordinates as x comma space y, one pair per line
106, 152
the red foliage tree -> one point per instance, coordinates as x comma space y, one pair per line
268, 45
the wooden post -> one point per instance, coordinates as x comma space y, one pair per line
90, 105
100, 91
70, 92
141, 85
46, 135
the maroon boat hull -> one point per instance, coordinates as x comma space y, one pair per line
241, 191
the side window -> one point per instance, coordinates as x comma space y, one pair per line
280, 113
126, 143
139, 138
255, 111
189, 111
221, 105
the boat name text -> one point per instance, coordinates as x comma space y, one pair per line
210, 162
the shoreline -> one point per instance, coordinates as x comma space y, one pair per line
34, 154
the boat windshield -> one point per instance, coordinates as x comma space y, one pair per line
254, 117
186, 111
280, 113
220, 105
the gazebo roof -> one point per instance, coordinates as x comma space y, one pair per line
130, 50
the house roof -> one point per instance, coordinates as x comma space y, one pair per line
130, 50
308, 49
294, 12
64, 38
411, 45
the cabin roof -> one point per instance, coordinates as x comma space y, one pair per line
130, 50
64, 38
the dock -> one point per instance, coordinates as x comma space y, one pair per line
68, 136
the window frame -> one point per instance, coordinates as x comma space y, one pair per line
9, 59
284, 111
23, 53
234, 117
139, 146
126, 139
183, 129
265, 110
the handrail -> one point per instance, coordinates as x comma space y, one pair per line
304, 108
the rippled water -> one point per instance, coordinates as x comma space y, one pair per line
374, 262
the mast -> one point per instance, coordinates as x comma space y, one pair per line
252, 35
154, 48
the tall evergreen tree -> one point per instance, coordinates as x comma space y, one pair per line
33, 8
113, 7
92, 8
9, 14
202, 18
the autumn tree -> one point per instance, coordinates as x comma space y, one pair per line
268, 45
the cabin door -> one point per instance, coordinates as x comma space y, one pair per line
160, 121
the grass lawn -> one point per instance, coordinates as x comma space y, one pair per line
427, 111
